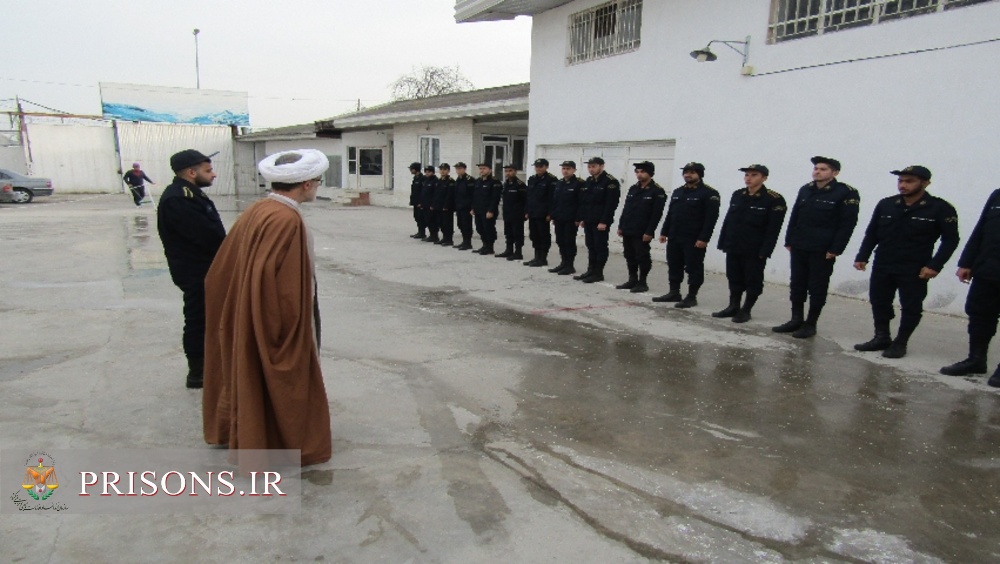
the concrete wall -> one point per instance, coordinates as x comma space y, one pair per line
935, 108
76, 157
456, 145
368, 140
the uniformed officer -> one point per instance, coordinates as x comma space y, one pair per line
464, 184
444, 204
431, 220
541, 185
485, 207
904, 229
691, 217
191, 231
418, 214
980, 263
515, 198
749, 235
823, 218
565, 200
596, 212
641, 213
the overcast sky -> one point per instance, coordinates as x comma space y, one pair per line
300, 60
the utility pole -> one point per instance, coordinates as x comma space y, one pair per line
23, 129
359, 104
197, 68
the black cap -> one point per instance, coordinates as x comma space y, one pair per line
428, 168
696, 167
444, 166
571, 164
595, 160
832, 163
914, 170
487, 165
756, 168
646, 166
460, 164
509, 166
541, 162
414, 166
189, 158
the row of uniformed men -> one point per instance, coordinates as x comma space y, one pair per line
902, 233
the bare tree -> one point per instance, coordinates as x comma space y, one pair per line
429, 81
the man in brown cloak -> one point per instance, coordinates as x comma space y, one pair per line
263, 384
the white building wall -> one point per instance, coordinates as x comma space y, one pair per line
456, 145
935, 108
76, 157
368, 140
329, 147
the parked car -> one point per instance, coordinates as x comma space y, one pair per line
26, 187
6, 193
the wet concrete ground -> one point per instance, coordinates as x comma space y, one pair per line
484, 411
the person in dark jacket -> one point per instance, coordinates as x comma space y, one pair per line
691, 217
565, 200
428, 187
486, 206
464, 184
902, 232
980, 263
537, 211
515, 198
444, 204
823, 218
641, 213
596, 212
749, 235
191, 232
136, 179
418, 214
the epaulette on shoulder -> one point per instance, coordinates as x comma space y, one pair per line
188, 193
775, 194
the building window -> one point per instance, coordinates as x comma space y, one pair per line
430, 151
352, 160
792, 19
370, 162
609, 29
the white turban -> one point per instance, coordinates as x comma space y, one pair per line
312, 165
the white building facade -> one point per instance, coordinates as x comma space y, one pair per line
877, 84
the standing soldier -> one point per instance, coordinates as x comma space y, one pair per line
596, 212
980, 262
687, 229
640, 215
485, 207
418, 214
464, 185
538, 213
749, 235
191, 232
904, 229
565, 198
515, 196
444, 203
427, 190
823, 218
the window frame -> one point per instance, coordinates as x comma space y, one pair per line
608, 29
430, 150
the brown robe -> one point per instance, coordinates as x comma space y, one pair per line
263, 384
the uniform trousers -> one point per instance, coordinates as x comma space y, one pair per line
464, 223
597, 244
811, 272
432, 220
513, 229
566, 238
487, 228
745, 273
982, 305
912, 291
637, 255
194, 320
683, 256
446, 219
540, 234
418, 216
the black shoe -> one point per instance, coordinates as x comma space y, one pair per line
506, 253
688, 301
804, 331
417, 236
557, 268
447, 242
567, 270
433, 239
464, 247
632, 283
730, 311
532, 262
965, 367
585, 274
879, 342
671, 296
516, 256
994, 380
639, 288
742, 316
790, 326
594, 277
540, 262
896, 350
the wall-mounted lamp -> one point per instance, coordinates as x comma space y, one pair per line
706, 55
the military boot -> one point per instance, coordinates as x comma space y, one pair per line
567, 269
586, 273
541, 258
674, 295
196, 372
879, 342
690, 300
732, 308
597, 275
975, 364
794, 323
508, 250
516, 255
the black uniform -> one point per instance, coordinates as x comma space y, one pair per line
640, 215
821, 222
416, 186
464, 184
191, 232
515, 198
428, 185
903, 239
444, 207
748, 237
691, 217
565, 201
538, 210
598, 202
982, 256
486, 199
136, 184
